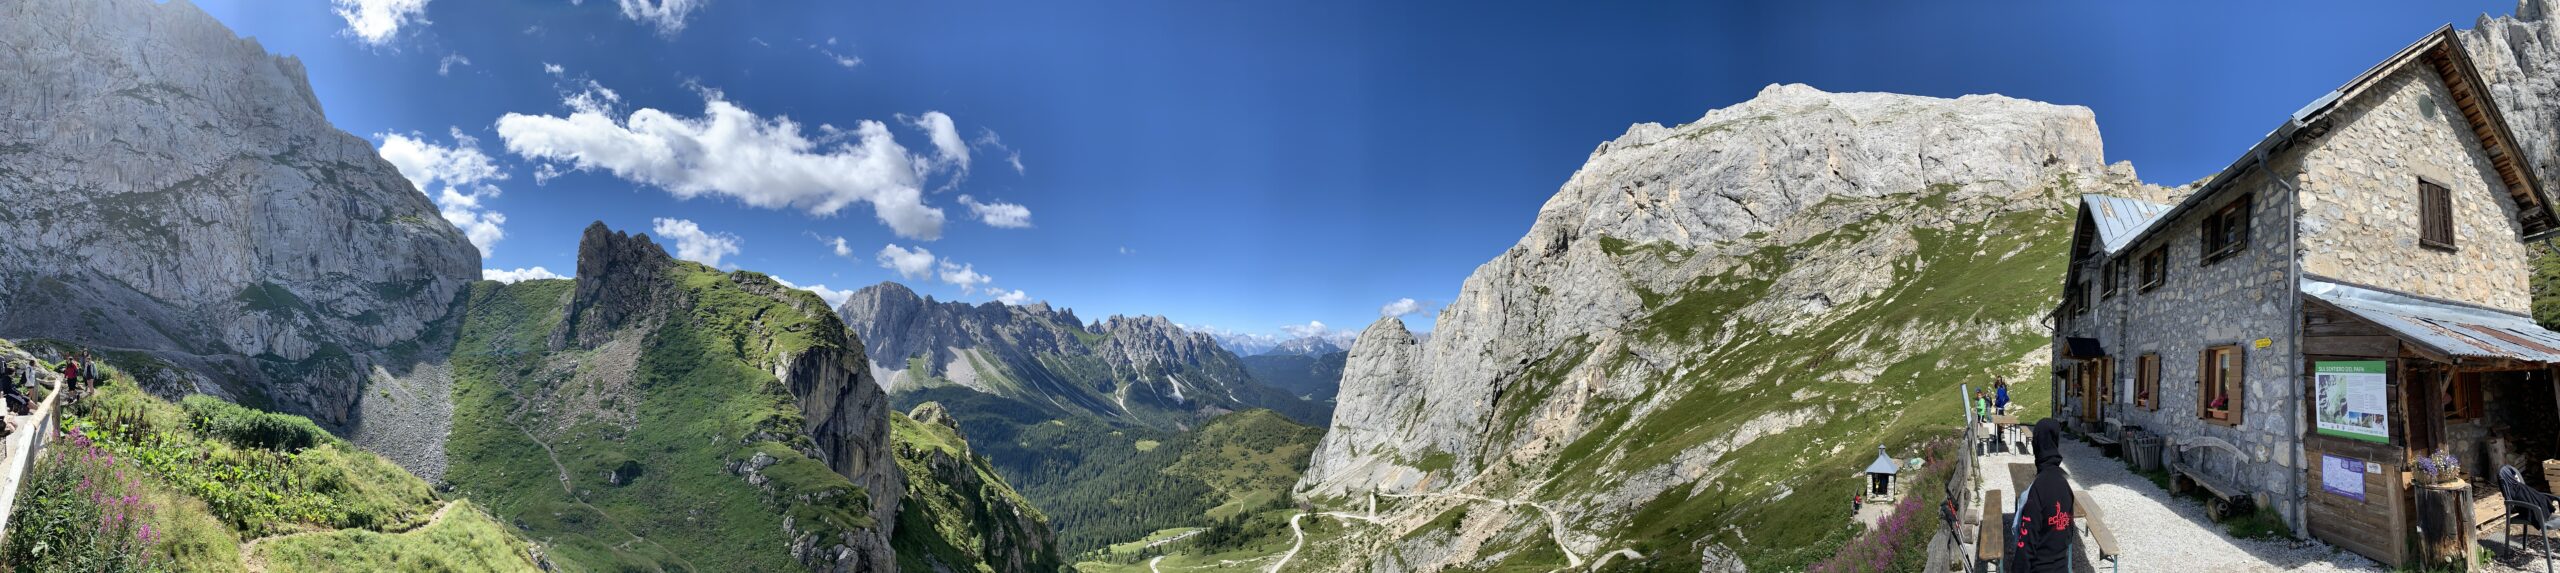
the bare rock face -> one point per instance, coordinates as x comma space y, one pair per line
621, 276
2519, 56
1734, 175
175, 189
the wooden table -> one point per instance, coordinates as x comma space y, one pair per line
2003, 424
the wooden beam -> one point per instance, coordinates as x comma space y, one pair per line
2367, 346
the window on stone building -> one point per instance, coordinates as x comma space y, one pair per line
2146, 382
2114, 276
2219, 379
2462, 400
2226, 232
2077, 300
2435, 216
2155, 268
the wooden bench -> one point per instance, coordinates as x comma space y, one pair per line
2099, 535
1991, 539
2105, 435
2224, 499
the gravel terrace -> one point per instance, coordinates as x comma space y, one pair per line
2159, 533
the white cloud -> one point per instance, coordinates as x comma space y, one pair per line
1014, 298
842, 249
553, 69
692, 243
1311, 328
999, 214
1401, 307
988, 138
667, 15
849, 62
375, 22
445, 66
729, 151
964, 276
467, 177
507, 276
949, 149
834, 298
1125, 250
915, 264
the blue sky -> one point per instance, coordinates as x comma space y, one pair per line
1247, 165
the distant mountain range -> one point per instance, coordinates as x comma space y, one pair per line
1141, 370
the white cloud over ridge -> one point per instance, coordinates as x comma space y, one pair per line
1014, 298
519, 275
694, 244
964, 276
1401, 307
732, 152
919, 264
912, 264
376, 22
834, 298
467, 177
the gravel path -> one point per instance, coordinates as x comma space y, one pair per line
2159, 533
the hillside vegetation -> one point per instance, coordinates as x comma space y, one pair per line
142, 483
636, 472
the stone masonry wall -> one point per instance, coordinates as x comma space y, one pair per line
2359, 188
2233, 301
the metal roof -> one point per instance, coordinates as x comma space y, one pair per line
2450, 328
1884, 464
2120, 219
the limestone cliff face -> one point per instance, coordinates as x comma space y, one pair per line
2519, 55
1736, 172
173, 188
1140, 369
1739, 287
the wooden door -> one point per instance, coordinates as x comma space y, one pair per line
2090, 375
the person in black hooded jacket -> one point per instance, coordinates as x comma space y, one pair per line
2042, 535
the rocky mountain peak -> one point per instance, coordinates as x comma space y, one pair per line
1659, 207
174, 175
620, 277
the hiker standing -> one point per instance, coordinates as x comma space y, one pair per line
2042, 536
89, 369
2000, 386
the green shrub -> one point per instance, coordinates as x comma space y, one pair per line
252, 428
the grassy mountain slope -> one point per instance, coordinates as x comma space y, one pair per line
1103, 483
545, 446
1739, 441
207, 476
958, 514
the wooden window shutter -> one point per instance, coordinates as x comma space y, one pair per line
2435, 215
2204, 371
2235, 382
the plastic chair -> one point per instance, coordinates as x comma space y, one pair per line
2527, 507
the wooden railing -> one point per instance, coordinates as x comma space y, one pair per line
19, 450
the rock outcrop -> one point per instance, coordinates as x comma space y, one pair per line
2519, 56
1142, 369
629, 293
961, 516
174, 189
1705, 292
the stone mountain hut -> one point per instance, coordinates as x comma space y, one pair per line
2344, 298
